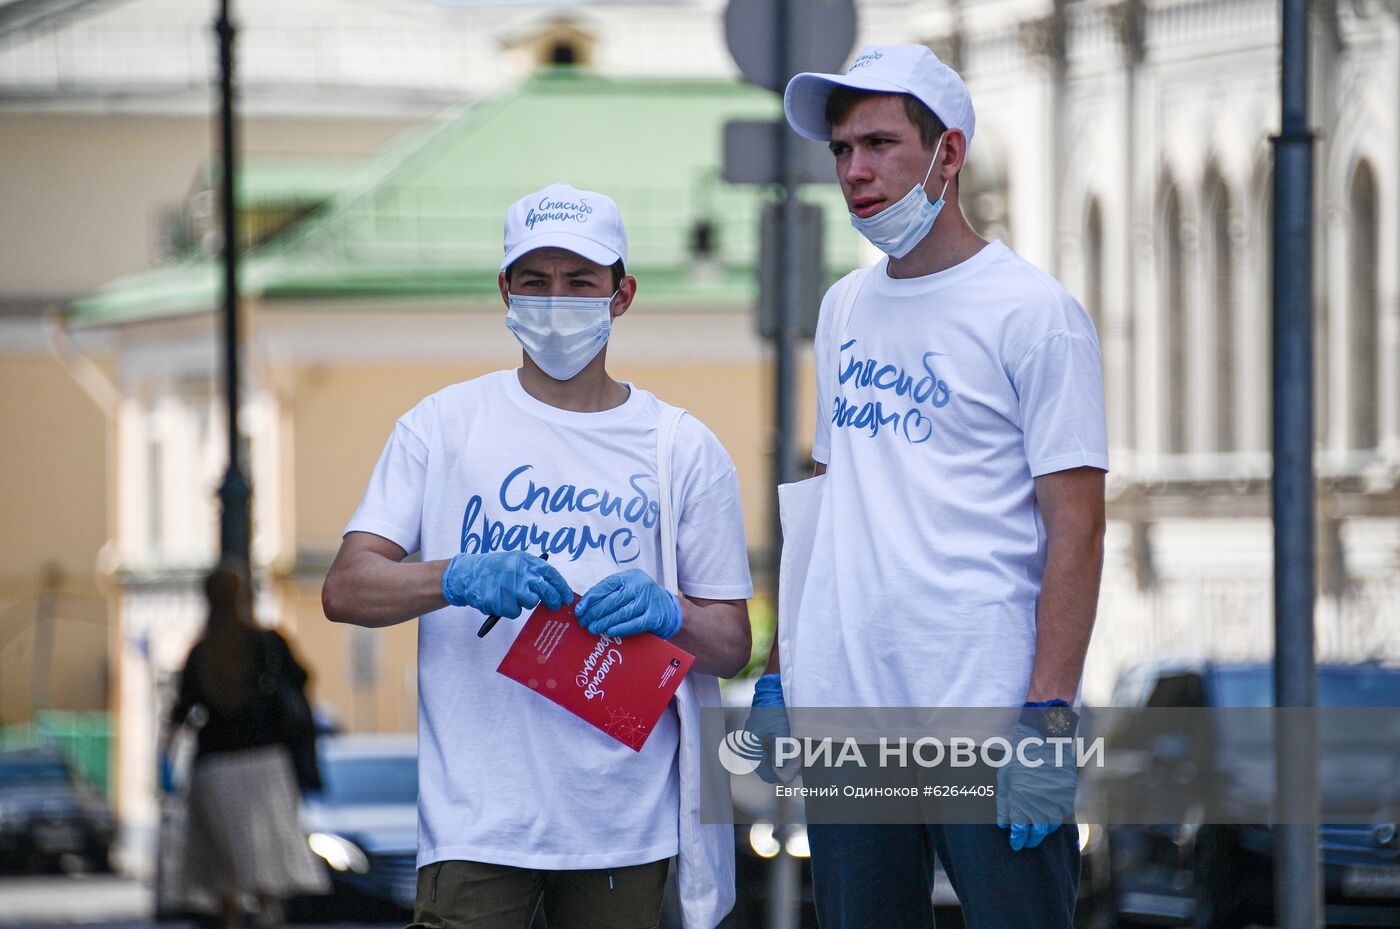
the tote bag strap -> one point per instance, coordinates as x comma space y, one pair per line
854, 282
665, 444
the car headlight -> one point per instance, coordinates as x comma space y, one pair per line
1086, 833
762, 841
796, 843
340, 853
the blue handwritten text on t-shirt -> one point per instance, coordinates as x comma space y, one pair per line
873, 416
622, 543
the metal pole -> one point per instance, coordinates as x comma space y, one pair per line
1297, 894
235, 493
785, 881
787, 290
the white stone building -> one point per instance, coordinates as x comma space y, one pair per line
1125, 146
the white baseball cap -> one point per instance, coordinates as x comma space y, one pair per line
562, 216
889, 69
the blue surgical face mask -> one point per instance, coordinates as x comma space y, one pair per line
560, 334
897, 228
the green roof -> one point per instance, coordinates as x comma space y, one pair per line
423, 218
263, 180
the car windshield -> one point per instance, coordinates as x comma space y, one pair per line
1367, 685
15, 772
359, 780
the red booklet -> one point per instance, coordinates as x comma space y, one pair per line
619, 685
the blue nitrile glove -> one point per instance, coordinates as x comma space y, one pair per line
627, 603
1033, 801
504, 583
769, 721
167, 774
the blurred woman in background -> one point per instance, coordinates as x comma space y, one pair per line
244, 841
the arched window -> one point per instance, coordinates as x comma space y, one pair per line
1222, 289
559, 43
1176, 376
1093, 266
1363, 393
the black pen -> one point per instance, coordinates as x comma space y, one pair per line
495, 618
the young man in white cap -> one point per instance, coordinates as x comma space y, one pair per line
959, 548
521, 802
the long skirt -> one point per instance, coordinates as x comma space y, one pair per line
243, 834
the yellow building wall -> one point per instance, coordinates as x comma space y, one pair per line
53, 521
80, 202
327, 651
81, 195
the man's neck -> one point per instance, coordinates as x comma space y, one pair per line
949, 243
589, 391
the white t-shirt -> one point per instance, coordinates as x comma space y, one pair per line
505, 776
955, 390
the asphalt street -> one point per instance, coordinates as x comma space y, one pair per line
105, 901
91, 900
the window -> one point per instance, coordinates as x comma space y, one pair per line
1221, 283
560, 43
1093, 266
155, 496
1362, 317
1176, 375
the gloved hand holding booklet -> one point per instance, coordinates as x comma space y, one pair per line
620, 685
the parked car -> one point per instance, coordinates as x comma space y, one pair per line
1221, 874
363, 825
49, 817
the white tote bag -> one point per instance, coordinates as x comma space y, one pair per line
799, 509
705, 860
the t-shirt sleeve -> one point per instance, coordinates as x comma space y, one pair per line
712, 558
1059, 386
393, 502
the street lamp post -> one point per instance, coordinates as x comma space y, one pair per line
235, 493
1296, 889
785, 881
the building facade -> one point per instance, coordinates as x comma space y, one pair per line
1147, 189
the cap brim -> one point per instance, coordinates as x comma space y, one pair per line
804, 101
577, 244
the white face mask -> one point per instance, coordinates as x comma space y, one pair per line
897, 228
560, 334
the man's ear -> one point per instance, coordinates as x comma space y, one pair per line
626, 293
954, 154
951, 165
505, 287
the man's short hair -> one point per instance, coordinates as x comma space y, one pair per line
618, 273
843, 99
